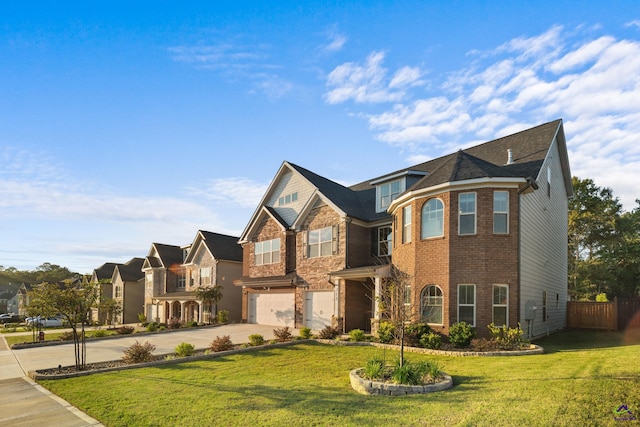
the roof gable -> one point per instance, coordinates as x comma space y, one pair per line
221, 247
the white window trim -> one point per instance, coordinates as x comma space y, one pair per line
493, 304
392, 196
389, 241
468, 305
270, 251
441, 304
406, 224
474, 213
205, 272
320, 242
422, 222
500, 212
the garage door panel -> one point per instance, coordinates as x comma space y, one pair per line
318, 309
276, 309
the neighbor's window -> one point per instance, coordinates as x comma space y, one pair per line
500, 305
267, 252
320, 242
205, 276
289, 198
387, 192
432, 304
501, 212
385, 236
182, 279
467, 213
118, 291
432, 219
467, 304
406, 224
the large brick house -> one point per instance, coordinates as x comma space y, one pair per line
481, 233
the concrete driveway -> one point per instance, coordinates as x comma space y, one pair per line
25, 403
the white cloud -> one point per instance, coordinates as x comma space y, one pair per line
634, 23
590, 82
336, 42
369, 82
233, 191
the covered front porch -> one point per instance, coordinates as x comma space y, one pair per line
359, 291
180, 306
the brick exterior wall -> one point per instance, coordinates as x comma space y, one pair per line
483, 259
268, 229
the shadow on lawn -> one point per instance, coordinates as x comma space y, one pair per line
574, 339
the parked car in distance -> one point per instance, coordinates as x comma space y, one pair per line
47, 322
9, 318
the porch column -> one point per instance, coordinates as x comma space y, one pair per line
170, 310
376, 297
182, 317
200, 312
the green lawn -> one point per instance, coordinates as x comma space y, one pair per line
49, 335
579, 382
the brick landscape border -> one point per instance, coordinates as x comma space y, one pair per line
365, 386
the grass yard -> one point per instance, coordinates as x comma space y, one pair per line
581, 380
49, 335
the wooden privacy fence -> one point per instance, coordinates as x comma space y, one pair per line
603, 315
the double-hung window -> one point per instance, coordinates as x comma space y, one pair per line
432, 219
467, 213
385, 237
320, 242
501, 305
406, 224
205, 276
182, 278
267, 252
467, 304
500, 212
432, 304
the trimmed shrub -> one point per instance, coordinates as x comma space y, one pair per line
221, 343
386, 332
66, 336
142, 319
283, 334
184, 349
125, 330
174, 323
256, 339
223, 316
192, 324
414, 332
328, 333
507, 338
461, 334
305, 333
99, 333
152, 327
431, 341
139, 353
356, 335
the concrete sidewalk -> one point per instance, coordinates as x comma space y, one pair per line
25, 403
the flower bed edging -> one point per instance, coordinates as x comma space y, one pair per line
533, 349
365, 386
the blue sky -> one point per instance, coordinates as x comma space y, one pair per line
127, 123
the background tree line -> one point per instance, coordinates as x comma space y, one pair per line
604, 244
47, 272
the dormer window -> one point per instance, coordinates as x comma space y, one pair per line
387, 192
289, 198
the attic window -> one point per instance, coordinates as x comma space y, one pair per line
289, 198
387, 192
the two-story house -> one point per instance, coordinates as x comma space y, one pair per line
481, 233
102, 276
128, 289
174, 273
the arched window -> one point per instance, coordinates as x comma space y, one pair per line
432, 219
431, 305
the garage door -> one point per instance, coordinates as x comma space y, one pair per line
272, 309
318, 309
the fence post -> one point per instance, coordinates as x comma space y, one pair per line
615, 313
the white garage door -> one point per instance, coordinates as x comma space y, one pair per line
318, 309
272, 309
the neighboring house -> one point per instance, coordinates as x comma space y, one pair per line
103, 276
212, 259
481, 233
9, 297
164, 273
128, 289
